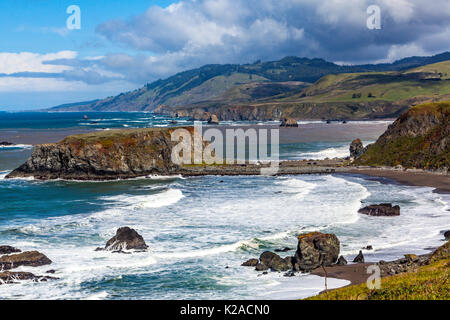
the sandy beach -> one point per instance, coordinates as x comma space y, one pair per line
423, 179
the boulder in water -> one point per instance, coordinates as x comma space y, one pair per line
28, 258
381, 210
250, 263
213, 119
447, 235
126, 239
275, 262
341, 261
8, 277
359, 258
8, 250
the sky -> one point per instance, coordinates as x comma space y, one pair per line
122, 45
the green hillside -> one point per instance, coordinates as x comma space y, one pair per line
348, 96
215, 83
420, 138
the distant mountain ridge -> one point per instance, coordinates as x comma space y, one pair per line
208, 84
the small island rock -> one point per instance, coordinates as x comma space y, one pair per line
126, 239
381, 210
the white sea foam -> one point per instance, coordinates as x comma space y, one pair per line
163, 199
17, 146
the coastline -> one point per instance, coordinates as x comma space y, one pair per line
441, 182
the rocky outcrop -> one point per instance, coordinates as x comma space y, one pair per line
8, 277
316, 249
105, 155
6, 143
28, 258
289, 123
384, 210
447, 235
250, 263
213, 119
359, 258
341, 261
419, 138
8, 250
126, 239
356, 149
274, 262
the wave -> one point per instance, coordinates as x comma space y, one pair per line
299, 187
163, 199
337, 152
17, 146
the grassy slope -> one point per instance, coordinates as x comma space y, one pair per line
384, 86
405, 144
430, 282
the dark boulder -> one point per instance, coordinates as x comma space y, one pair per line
250, 263
261, 267
341, 261
126, 239
7, 277
316, 249
356, 148
368, 248
8, 250
289, 123
275, 262
6, 143
359, 258
213, 119
381, 210
28, 258
447, 235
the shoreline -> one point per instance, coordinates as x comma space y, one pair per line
441, 182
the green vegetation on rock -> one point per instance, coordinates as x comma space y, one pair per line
418, 139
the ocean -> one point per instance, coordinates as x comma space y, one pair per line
199, 230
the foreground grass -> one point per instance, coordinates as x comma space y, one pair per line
430, 282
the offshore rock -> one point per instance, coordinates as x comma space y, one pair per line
383, 210
28, 258
126, 239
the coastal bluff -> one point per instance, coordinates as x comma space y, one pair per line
419, 138
105, 155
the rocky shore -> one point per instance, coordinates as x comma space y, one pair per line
317, 253
12, 258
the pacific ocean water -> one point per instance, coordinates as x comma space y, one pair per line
199, 230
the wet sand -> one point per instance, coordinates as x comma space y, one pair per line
355, 273
423, 179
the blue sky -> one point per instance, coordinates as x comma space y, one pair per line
124, 44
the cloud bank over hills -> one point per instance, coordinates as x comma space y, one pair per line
187, 34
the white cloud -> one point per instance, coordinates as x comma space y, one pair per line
33, 62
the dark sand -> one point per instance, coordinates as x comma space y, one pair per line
422, 179
355, 273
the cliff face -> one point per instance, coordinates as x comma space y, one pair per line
300, 111
419, 138
102, 156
